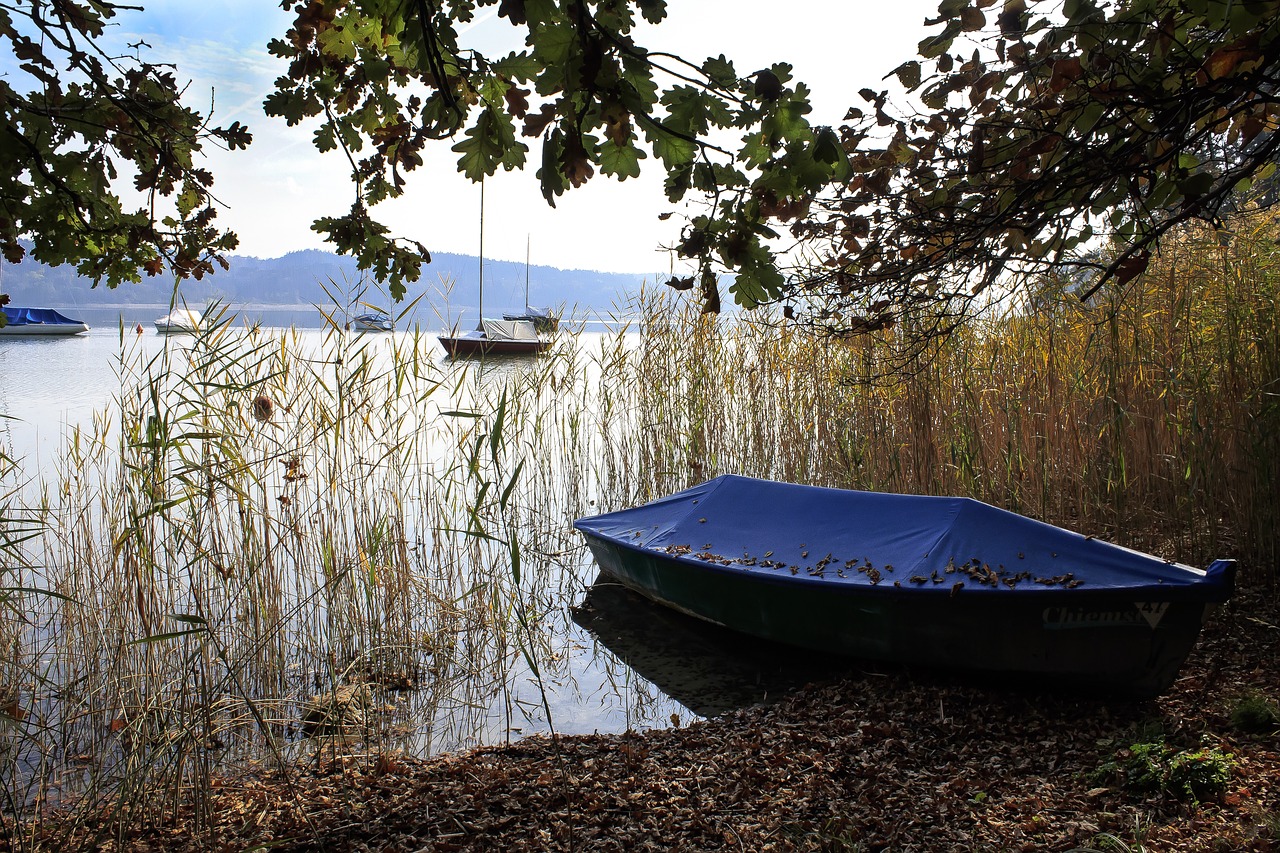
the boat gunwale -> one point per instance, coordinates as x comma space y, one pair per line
1218, 580
463, 346
1218, 577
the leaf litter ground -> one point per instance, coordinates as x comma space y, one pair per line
885, 761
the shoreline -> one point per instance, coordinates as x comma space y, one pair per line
868, 762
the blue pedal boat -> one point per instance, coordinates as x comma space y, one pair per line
941, 582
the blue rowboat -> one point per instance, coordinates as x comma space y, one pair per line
934, 581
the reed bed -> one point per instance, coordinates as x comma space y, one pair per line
267, 548
1150, 416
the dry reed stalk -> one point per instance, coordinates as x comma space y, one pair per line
1149, 416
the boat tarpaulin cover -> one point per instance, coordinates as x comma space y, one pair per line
915, 544
186, 318
509, 330
530, 313
30, 316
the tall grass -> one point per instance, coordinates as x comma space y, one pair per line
268, 548
1149, 416
261, 541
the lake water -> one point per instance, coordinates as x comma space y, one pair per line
617, 662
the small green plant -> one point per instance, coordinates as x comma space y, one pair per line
1199, 775
1154, 767
1136, 767
1256, 714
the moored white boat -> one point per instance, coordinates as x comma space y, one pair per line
179, 321
509, 336
496, 337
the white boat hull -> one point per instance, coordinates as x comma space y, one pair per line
44, 329
180, 321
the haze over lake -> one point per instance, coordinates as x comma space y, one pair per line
298, 288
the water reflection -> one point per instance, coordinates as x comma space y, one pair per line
708, 669
48, 385
494, 367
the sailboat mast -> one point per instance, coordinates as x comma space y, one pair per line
481, 325
526, 274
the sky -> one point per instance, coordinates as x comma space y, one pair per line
281, 184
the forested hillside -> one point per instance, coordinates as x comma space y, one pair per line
302, 279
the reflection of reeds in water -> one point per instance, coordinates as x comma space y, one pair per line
219, 574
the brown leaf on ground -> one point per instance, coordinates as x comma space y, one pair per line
902, 762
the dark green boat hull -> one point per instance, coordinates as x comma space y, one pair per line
1100, 641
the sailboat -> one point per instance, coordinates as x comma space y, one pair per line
373, 321
494, 337
544, 322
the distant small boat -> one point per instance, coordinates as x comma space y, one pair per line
40, 321
542, 319
496, 337
373, 322
941, 582
179, 321
544, 322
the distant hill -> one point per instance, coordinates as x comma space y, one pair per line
299, 279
